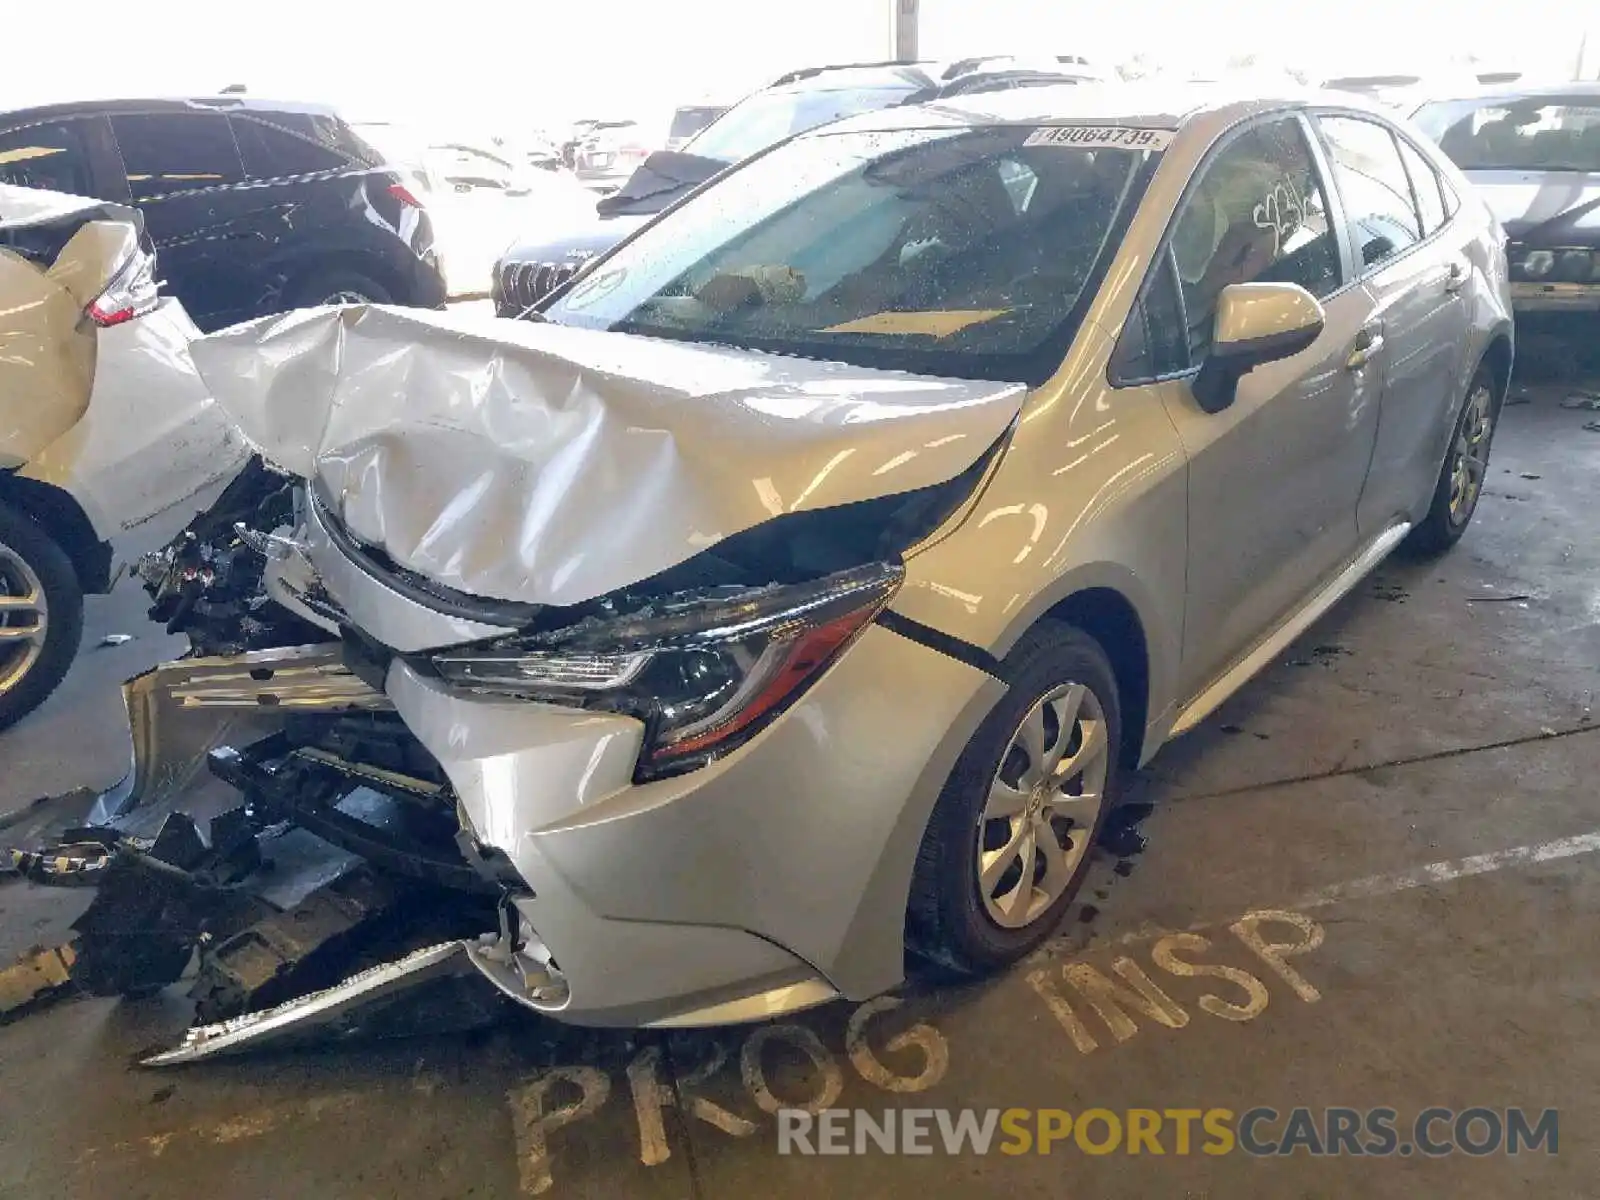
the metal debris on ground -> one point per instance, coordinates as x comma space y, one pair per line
1498, 599
116, 639
43, 973
269, 961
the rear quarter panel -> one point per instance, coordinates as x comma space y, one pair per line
47, 361
149, 439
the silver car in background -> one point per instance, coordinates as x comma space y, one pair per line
804, 584
1533, 155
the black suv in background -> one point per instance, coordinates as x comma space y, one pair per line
533, 269
254, 207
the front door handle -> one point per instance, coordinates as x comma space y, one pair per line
1368, 342
1456, 279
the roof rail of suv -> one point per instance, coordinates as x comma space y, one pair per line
812, 72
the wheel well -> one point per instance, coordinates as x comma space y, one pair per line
1498, 359
65, 521
371, 266
1107, 617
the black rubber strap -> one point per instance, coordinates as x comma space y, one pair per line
951, 647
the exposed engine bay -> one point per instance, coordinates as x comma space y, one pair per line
281, 825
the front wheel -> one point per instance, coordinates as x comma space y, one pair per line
1008, 844
1461, 479
41, 616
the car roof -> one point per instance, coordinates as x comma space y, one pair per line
1162, 106
817, 79
247, 104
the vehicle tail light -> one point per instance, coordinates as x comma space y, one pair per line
132, 292
405, 195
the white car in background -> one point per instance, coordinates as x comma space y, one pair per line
109, 442
479, 194
481, 200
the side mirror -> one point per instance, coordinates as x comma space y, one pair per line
1256, 323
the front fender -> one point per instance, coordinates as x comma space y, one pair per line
1092, 494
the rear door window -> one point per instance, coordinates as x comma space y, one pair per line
1427, 187
272, 153
1372, 180
53, 156
176, 152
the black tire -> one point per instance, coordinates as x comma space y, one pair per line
946, 921
1446, 522
64, 596
319, 286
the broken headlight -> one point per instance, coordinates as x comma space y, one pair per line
704, 671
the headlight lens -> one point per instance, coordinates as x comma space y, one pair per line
705, 671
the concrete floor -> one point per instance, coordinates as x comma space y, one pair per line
1440, 718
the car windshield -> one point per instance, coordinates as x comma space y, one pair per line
766, 118
967, 252
1539, 133
686, 122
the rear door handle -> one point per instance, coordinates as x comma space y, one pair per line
1368, 343
1456, 278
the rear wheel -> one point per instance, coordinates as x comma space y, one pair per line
41, 615
1008, 845
1466, 466
338, 285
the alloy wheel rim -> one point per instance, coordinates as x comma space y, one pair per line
1043, 805
1469, 461
24, 618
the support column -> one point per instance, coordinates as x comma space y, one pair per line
903, 15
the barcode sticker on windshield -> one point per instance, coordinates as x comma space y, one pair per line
1100, 137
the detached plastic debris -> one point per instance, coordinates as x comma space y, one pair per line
330, 1011
116, 639
43, 973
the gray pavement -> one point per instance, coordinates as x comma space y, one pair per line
1405, 805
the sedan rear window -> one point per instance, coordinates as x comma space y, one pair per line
957, 251
1539, 133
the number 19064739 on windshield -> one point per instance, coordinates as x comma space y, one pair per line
1082, 137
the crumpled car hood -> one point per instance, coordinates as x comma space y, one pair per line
544, 464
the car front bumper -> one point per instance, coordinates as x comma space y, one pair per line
1555, 297
767, 881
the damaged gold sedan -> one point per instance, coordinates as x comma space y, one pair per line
799, 586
